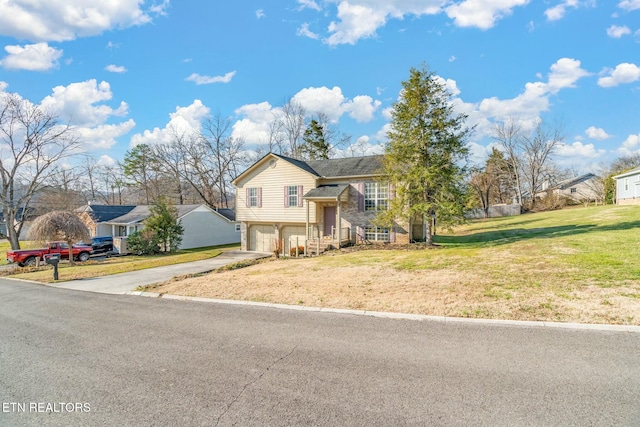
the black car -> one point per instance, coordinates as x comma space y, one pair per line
101, 245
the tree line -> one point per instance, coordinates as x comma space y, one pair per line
44, 168
426, 158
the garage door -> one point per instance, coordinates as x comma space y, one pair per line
291, 235
262, 238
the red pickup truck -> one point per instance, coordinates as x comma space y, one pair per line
24, 257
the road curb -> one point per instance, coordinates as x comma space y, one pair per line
402, 316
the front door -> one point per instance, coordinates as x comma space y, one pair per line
329, 220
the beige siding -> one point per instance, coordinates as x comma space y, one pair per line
272, 178
291, 235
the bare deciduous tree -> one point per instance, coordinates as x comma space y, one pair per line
59, 225
528, 155
32, 141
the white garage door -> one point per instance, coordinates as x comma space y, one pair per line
262, 238
291, 235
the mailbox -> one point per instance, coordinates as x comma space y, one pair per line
54, 260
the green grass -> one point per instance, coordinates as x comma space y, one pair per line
115, 265
571, 247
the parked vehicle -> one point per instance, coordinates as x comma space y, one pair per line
101, 245
24, 257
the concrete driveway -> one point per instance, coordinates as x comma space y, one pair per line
126, 282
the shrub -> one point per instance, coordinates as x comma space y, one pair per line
145, 242
292, 251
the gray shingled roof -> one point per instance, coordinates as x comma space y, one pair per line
230, 214
334, 168
102, 213
348, 166
326, 192
575, 180
142, 212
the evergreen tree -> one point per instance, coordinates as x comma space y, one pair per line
424, 154
164, 223
315, 144
142, 168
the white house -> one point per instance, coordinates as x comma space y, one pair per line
628, 187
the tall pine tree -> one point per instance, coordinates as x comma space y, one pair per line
425, 154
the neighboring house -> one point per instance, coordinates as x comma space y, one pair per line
582, 188
628, 187
283, 203
95, 217
202, 225
28, 219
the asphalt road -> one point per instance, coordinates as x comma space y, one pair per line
132, 361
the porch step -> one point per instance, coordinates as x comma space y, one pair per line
314, 248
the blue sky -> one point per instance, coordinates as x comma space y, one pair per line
125, 71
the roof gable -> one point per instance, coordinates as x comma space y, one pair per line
631, 172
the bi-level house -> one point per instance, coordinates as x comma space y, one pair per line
284, 203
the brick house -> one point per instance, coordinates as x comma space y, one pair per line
286, 203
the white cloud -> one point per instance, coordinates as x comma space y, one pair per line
623, 73
32, 57
356, 22
305, 32
449, 84
309, 4
578, 150
616, 32
82, 106
452, 58
260, 14
115, 68
106, 160
360, 19
526, 107
183, 121
333, 104
205, 80
564, 74
597, 133
630, 146
254, 127
629, 4
104, 136
558, 12
77, 103
482, 14
60, 20
362, 108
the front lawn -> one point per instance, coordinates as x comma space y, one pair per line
114, 265
573, 265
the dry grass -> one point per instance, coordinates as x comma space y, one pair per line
566, 266
440, 291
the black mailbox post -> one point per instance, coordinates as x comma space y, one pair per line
53, 259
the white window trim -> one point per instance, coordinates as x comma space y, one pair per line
377, 201
377, 234
292, 196
253, 197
